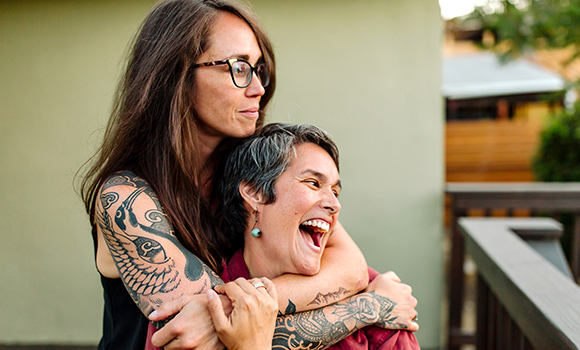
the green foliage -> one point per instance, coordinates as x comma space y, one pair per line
558, 154
558, 160
526, 25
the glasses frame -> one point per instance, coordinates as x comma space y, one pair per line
230, 62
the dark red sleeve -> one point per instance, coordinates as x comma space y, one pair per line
386, 339
372, 274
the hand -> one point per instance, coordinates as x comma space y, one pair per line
392, 276
252, 321
192, 327
403, 313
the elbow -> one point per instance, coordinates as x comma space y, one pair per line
362, 280
359, 275
358, 280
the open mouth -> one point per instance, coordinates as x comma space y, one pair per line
315, 229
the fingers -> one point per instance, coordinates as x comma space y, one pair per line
265, 286
414, 325
181, 344
240, 289
169, 308
191, 328
407, 290
166, 334
163, 337
252, 320
408, 304
392, 276
216, 311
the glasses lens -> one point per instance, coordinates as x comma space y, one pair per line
263, 74
242, 73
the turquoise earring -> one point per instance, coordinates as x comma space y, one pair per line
256, 231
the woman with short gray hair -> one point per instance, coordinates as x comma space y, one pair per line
258, 162
278, 194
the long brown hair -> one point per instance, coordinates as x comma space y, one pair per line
152, 130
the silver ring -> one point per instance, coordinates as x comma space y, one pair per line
258, 285
416, 318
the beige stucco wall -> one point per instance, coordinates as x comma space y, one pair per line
369, 73
366, 71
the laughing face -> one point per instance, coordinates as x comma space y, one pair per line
295, 228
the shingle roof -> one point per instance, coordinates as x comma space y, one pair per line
482, 75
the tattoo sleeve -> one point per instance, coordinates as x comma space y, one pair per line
320, 328
152, 263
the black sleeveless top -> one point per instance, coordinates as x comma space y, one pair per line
124, 326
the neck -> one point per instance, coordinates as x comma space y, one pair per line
256, 259
207, 145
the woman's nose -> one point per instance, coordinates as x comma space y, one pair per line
331, 203
255, 88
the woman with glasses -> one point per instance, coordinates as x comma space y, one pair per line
199, 71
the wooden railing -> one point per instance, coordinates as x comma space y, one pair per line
537, 197
523, 301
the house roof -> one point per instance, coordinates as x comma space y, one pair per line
482, 75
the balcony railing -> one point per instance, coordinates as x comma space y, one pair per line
523, 301
554, 198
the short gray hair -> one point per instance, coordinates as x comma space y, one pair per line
258, 161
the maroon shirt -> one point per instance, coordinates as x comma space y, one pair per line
371, 337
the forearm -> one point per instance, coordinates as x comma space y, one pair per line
321, 328
343, 273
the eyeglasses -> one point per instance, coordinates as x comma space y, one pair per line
242, 71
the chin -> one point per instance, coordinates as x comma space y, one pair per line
310, 270
244, 133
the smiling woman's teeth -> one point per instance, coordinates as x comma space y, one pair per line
316, 223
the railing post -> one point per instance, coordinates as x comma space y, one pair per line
575, 249
517, 338
482, 317
502, 328
456, 280
491, 322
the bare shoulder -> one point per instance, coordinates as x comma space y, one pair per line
127, 208
124, 183
124, 178
128, 203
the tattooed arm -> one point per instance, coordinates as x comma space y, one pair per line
320, 328
142, 247
343, 273
385, 303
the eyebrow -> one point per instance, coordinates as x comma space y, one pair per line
246, 57
321, 176
239, 55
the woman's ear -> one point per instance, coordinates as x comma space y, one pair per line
251, 197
